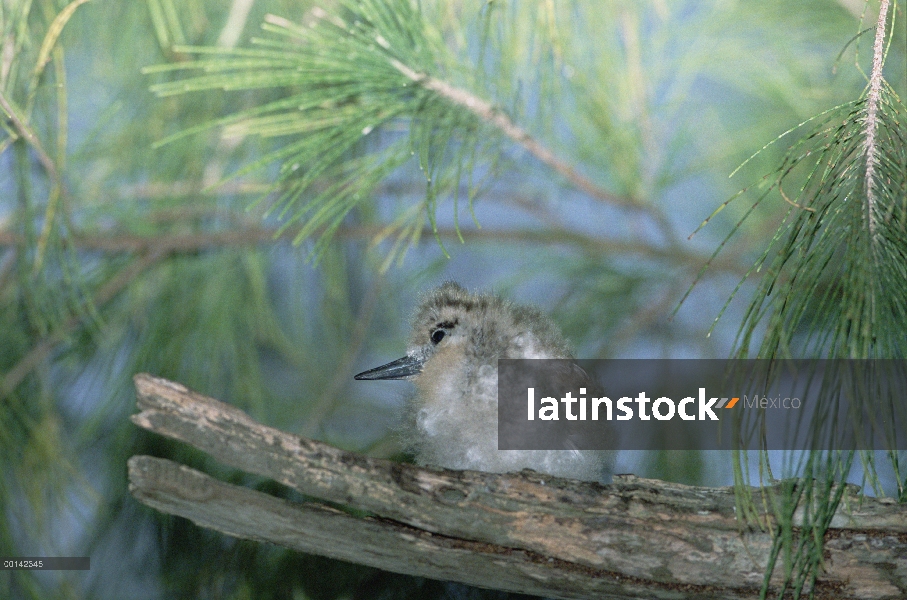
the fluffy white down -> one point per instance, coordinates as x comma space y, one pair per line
463, 434
455, 408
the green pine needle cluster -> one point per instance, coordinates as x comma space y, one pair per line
834, 286
355, 105
836, 267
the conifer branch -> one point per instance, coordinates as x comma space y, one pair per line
488, 114
826, 292
872, 111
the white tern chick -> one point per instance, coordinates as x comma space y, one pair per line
456, 340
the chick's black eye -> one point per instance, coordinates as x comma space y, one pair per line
437, 335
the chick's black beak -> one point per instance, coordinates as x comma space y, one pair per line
402, 368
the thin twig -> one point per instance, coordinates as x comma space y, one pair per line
56, 190
193, 242
652, 313
485, 111
26, 132
6, 267
191, 188
791, 202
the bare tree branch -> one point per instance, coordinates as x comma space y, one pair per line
317, 529
253, 235
525, 532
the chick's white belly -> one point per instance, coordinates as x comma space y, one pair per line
456, 423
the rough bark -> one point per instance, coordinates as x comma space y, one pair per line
526, 532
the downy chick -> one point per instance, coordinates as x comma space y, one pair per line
456, 340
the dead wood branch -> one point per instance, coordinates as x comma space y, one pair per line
524, 532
